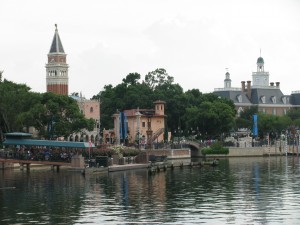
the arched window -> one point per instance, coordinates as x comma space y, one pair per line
91, 109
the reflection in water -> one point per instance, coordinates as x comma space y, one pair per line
238, 191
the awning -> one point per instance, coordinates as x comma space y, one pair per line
33, 142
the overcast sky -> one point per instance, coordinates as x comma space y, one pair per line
194, 40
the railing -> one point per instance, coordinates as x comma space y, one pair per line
156, 135
226, 89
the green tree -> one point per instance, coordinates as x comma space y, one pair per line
158, 77
245, 118
132, 79
14, 99
211, 118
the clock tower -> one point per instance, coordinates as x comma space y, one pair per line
57, 68
260, 78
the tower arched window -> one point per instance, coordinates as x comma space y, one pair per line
91, 109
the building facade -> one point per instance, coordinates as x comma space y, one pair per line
259, 92
143, 126
91, 110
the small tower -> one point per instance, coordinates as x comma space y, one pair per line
260, 78
57, 79
159, 107
227, 81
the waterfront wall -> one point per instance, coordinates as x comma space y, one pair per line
251, 151
172, 153
143, 157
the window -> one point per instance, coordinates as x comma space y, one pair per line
240, 110
273, 99
274, 111
91, 109
263, 99
239, 98
283, 99
143, 124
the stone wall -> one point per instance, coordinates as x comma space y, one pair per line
171, 153
250, 151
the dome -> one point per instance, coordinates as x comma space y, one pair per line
227, 73
260, 60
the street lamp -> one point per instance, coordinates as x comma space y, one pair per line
178, 132
99, 124
138, 117
117, 126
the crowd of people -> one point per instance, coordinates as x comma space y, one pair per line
38, 153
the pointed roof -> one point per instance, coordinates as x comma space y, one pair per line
56, 46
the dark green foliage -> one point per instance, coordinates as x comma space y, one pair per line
215, 149
52, 115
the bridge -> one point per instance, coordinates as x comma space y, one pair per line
27, 163
195, 147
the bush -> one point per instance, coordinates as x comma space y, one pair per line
119, 150
215, 149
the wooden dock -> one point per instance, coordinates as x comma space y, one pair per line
27, 163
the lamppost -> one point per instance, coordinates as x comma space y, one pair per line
100, 139
286, 142
117, 126
138, 117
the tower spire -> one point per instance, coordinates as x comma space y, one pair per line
56, 46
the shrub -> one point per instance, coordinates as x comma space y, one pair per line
215, 149
121, 151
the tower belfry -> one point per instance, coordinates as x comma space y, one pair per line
227, 81
57, 68
260, 78
260, 63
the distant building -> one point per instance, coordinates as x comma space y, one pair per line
57, 68
262, 93
91, 110
57, 81
145, 125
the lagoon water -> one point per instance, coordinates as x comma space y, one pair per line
238, 191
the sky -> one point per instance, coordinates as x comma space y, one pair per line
194, 40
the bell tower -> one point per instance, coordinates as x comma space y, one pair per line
227, 81
57, 68
260, 78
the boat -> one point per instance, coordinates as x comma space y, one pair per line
214, 162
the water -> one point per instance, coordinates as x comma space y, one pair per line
238, 191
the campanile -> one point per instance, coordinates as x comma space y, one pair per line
57, 68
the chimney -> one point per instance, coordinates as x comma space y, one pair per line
243, 86
272, 84
249, 89
278, 84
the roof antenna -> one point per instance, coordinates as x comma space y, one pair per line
260, 52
